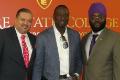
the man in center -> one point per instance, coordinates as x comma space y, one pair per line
58, 50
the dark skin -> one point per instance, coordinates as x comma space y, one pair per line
97, 22
61, 17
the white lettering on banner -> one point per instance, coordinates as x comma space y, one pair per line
38, 22
44, 22
4, 22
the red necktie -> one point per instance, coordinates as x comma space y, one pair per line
25, 51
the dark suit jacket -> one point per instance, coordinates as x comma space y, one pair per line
104, 61
47, 62
11, 59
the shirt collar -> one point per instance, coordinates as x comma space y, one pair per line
57, 32
18, 33
98, 33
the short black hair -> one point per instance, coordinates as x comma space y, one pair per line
23, 10
61, 6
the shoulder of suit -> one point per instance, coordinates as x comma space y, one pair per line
73, 30
45, 32
6, 30
114, 35
113, 32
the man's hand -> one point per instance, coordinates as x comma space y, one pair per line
75, 77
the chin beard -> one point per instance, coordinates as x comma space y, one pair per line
96, 29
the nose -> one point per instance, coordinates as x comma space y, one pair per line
97, 19
62, 18
25, 22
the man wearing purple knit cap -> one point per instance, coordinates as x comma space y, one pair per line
101, 47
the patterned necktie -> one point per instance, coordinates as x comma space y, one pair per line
92, 42
25, 51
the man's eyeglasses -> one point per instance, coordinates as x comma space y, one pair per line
65, 43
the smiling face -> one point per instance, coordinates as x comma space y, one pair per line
97, 22
23, 22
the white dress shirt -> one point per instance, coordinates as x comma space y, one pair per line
27, 42
63, 53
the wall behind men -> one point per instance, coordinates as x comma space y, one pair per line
43, 11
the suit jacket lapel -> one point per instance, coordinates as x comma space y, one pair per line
54, 51
17, 49
98, 41
84, 41
32, 42
53, 43
71, 40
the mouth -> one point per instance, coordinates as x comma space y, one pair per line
62, 22
25, 26
97, 24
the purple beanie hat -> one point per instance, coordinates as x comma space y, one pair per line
97, 7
